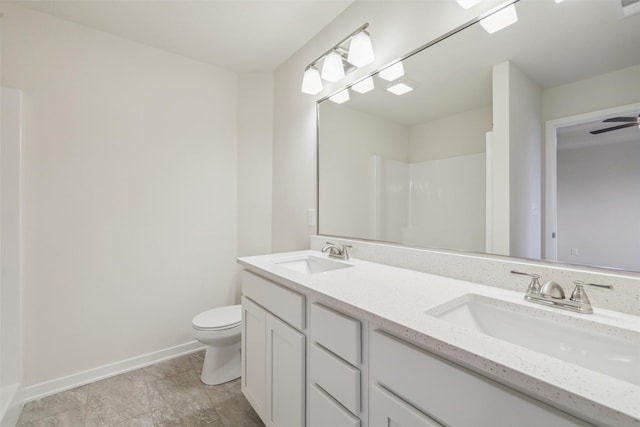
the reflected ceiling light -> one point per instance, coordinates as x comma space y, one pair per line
360, 50
500, 19
353, 51
332, 68
311, 82
629, 7
559, 1
468, 4
393, 72
340, 97
400, 88
364, 86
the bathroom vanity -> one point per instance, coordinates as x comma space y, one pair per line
357, 343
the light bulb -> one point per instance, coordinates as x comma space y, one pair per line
332, 68
467, 4
340, 97
360, 50
364, 86
311, 82
499, 20
393, 72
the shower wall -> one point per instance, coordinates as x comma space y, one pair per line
438, 203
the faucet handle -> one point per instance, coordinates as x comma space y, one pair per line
345, 253
579, 295
534, 285
596, 285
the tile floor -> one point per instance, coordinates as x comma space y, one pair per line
168, 394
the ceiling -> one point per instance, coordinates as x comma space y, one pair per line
239, 35
552, 44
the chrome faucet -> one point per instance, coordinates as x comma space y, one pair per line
336, 251
552, 294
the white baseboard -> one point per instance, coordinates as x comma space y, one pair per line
47, 388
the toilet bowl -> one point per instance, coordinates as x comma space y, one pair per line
219, 329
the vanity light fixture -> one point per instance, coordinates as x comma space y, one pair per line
393, 72
400, 88
468, 4
311, 82
500, 19
332, 68
364, 86
353, 51
360, 50
340, 97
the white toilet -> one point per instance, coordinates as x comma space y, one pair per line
219, 329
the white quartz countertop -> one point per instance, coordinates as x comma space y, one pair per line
396, 299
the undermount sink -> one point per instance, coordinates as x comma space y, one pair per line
602, 348
310, 264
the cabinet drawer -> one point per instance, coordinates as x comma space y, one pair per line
339, 379
389, 410
326, 412
337, 332
282, 302
436, 387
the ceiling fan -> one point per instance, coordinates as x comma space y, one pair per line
628, 122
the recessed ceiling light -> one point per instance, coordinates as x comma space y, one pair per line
499, 20
340, 97
364, 86
400, 88
393, 72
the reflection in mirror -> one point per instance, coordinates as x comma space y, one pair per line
456, 162
597, 188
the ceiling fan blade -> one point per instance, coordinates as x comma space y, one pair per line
621, 119
595, 132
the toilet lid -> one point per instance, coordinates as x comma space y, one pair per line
219, 318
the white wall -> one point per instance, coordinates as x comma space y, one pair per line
396, 28
621, 87
255, 148
455, 135
599, 205
500, 206
525, 163
129, 193
517, 160
350, 139
11, 307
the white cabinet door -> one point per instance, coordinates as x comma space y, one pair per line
452, 394
386, 410
285, 375
325, 411
254, 378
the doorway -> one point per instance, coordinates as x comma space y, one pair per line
592, 189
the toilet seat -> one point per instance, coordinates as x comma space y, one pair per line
219, 318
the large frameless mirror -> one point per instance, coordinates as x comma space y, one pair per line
524, 142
